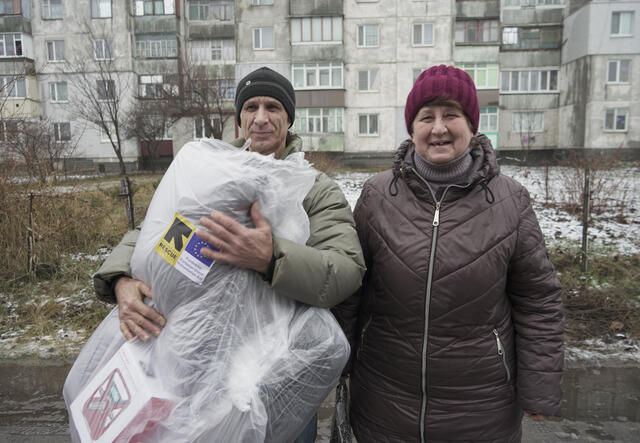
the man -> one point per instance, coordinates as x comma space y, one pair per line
324, 272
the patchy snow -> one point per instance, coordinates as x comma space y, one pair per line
608, 231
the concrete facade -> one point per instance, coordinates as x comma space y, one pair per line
352, 63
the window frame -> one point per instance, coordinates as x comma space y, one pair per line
522, 131
166, 47
54, 94
297, 25
106, 45
618, 71
261, 3
212, 117
96, 12
422, 44
139, 9
109, 90
58, 132
370, 83
521, 37
368, 132
18, 85
15, 44
485, 112
46, 6
260, 31
616, 114
206, 10
618, 32
477, 68
479, 24
519, 75
361, 32
317, 68
54, 45
329, 117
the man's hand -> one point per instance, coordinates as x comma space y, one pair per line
136, 318
250, 248
536, 417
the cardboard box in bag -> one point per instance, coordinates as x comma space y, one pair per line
121, 401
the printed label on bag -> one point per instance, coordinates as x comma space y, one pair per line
181, 248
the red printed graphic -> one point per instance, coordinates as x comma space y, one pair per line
108, 401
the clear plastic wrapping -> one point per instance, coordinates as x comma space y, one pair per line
239, 362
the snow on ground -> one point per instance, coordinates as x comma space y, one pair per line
620, 186
556, 224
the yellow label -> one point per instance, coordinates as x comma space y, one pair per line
175, 239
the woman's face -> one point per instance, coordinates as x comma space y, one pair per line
441, 133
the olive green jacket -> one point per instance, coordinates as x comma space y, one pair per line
324, 272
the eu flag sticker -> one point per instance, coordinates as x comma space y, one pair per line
192, 263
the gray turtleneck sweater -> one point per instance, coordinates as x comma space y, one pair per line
440, 175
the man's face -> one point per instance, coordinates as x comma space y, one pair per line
265, 121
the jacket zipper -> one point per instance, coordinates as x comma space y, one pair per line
432, 256
364, 329
502, 353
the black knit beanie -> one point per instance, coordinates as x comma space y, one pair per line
267, 82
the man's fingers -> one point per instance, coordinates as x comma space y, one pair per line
154, 316
212, 240
125, 330
226, 222
258, 220
144, 289
137, 330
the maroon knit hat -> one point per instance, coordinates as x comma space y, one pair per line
446, 81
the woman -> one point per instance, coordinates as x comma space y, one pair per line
458, 326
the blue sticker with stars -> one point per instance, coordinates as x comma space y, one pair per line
194, 247
192, 262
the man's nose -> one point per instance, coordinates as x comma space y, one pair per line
262, 116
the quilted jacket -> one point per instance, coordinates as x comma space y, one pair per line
458, 326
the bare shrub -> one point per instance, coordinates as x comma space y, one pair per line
323, 161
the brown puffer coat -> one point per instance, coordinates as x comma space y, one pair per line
493, 342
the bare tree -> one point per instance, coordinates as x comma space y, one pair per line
102, 92
40, 145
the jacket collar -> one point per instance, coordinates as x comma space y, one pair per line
485, 165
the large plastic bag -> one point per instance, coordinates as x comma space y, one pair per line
244, 364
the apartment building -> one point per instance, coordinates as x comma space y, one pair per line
549, 73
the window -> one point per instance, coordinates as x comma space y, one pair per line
103, 49
477, 31
417, 72
6, 7
616, 119
55, 50
261, 2
367, 124
104, 135
156, 128
621, 23
13, 87
529, 81
10, 45
62, 131
156, 86
154, 7
316, 30
526, 122
532, 2
100, 8
212, 51
9, 130
618, 71
263, 38
531, 38
51, 9
221, 10
202, 130
488, 119
423, 34
368, 36
484, 75
106, 89
367, 80
155, 46
59, 92
318, 120
317, 75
